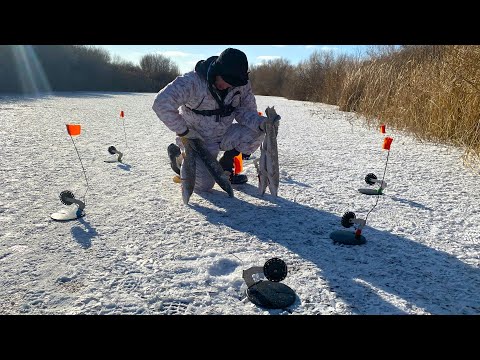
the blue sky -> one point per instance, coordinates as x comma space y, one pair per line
186, 56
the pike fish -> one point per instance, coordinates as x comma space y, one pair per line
187, 173
212, 164
268, 169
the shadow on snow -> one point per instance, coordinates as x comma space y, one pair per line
84, 235
363, 276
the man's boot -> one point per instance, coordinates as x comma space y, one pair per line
226, 161
174, 153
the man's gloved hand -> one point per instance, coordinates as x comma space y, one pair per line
262, 123
271, 116
190, 134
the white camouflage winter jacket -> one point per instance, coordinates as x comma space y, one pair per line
172, 105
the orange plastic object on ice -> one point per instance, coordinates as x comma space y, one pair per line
386, 143
121, 114
237, 164
73, 129
382, 128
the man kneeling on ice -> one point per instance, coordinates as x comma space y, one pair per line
203, 103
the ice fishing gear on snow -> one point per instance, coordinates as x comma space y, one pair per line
386, 146
66, 197
349, 219
371, 179
270, 294
347, 237
74, 130
71, 213
122, 116
112, 151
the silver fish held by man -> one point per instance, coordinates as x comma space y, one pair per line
187, 172
268, 169
195, 149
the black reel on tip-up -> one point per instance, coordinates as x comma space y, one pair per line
347, 219
67, 198
112, 150
347, 237
269, 294
371, 179
275, 270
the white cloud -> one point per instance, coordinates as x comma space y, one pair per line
327, 48
268, 57
173, 53
134, 57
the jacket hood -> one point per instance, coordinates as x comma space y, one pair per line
205, 70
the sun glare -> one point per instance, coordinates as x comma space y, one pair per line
30, 71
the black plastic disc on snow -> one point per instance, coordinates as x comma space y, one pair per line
65, 197
369, 178
347, 238
112, 150
275, 269
271, 295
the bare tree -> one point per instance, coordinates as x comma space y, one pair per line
159, 68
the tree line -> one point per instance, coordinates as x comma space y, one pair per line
43, 68
429, 91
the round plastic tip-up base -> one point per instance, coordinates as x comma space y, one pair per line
67, 214
347, 238
370, 192
271, 295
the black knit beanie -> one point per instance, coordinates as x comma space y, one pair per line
232, 66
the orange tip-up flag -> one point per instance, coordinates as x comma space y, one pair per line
121, 114
382, 128
238, 164
73, 129
386, 143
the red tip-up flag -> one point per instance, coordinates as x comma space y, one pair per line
121, 114
73, 129
386, 143
382, 128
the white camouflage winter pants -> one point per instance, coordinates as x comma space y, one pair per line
238, 137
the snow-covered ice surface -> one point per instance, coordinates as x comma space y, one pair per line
139, 250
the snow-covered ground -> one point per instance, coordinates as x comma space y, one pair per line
139, 250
